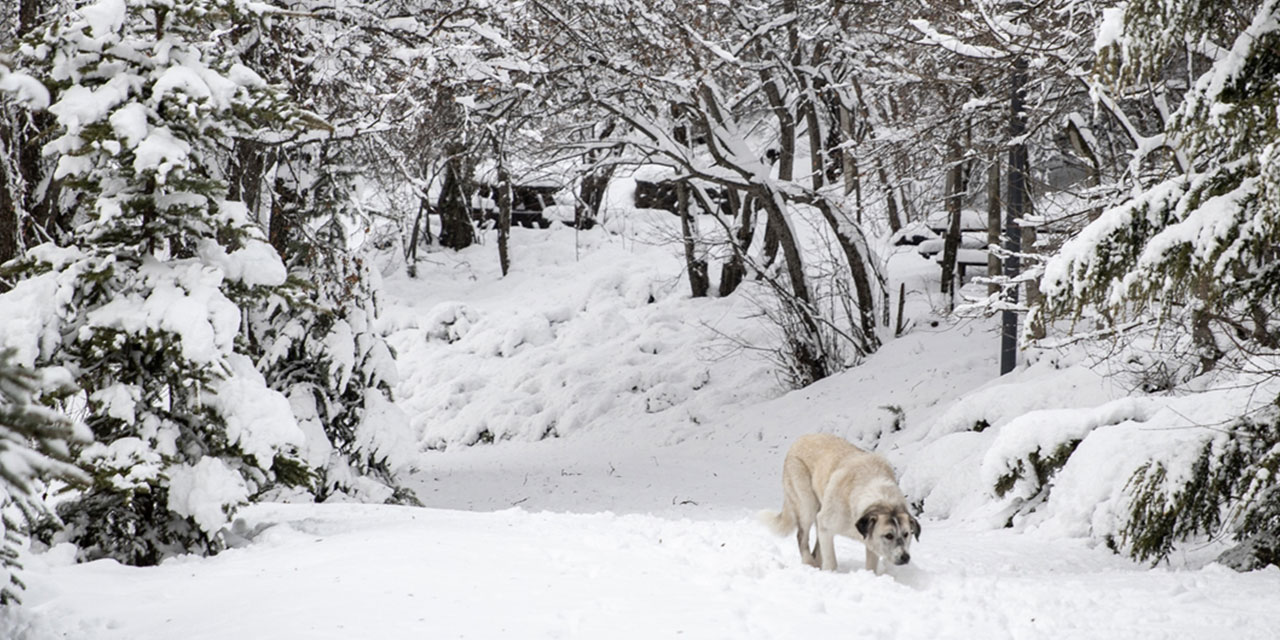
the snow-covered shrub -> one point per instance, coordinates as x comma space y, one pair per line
320, 350
33, 447
1231, 487
807, 350
318, 345
149, 290
1029, 450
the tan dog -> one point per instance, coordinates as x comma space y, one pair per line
845, 490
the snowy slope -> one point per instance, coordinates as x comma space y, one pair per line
634, 518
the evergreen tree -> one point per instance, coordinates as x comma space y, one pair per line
1197, 251
33, 448
1202, 242
159, 268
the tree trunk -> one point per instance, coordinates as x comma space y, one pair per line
28, 16
848, 245
591, 197
9, 243
734, 270
28, 204
861, 279
244, 177
993, 219
786, 164
814, 127
456, 229
593, 186
284, 204
699, 281
951, 243
1036, 330
416, 236
503, 189
850, 167
773, 206
1018, 166
1202, 337
891, 200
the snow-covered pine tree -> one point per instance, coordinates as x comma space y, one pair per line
316, 342
34, 443
1197, 250
151, 287
1206, 235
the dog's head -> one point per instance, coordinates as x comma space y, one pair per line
887, 531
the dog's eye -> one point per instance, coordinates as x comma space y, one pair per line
888, 536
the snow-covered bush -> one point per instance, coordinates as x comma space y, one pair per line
1029, 450
320, 350
1231, 487
149, 290
34, 443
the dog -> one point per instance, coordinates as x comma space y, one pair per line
843, 490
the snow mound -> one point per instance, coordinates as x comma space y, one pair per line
586, 332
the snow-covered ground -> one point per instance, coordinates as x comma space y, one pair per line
348, 571
634, 519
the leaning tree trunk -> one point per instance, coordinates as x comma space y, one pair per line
773, 237
591, 197
591, 192
773, 206
848, 245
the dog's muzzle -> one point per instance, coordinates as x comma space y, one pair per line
905, 558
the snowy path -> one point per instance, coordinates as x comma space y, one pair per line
347, 571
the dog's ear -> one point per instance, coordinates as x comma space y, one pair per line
865, 523
915, 526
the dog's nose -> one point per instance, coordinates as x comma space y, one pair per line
906, 557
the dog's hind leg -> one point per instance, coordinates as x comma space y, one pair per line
800, 500
802, 539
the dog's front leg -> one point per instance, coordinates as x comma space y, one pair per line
873, 562
826, 543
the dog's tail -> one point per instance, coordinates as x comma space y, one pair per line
781, 523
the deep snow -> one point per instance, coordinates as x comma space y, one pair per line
635, 519
392, 572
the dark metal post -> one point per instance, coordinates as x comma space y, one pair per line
1016, 206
